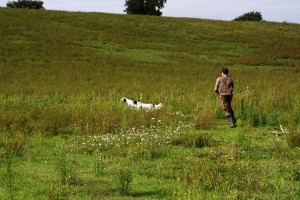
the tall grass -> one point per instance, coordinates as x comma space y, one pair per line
62, 122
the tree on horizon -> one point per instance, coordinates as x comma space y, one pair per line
28, 4
144, 7
250, 16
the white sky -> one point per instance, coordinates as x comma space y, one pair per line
271, 10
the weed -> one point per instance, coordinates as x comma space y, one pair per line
63, 171
294, 140
125, 179
67, 171
98, 164
14, 146
10, 178
296, 175
203, 140
53, 193
191, 140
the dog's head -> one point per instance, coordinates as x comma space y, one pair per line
123, 99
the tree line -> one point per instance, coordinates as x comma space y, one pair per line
140, 7
29, 4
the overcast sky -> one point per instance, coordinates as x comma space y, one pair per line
271, 10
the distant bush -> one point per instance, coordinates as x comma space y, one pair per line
250, 16
29, 4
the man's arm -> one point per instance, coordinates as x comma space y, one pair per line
217, 86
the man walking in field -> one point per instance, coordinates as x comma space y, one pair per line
224, 88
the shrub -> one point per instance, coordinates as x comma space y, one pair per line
29, 4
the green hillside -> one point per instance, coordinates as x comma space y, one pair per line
64, 134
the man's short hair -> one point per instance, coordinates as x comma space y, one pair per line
225, 70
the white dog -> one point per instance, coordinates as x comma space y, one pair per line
138, 105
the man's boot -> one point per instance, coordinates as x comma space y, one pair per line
232, 121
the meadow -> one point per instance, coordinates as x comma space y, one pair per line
64, 134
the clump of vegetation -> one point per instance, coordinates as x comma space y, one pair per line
191, 140
10, 177
12, 145
294, 140
125, 178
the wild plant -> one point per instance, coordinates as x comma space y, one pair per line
187, 191
63, 169
53, 193
14, 146
68, 176
68, 170
10, 177
98, 164
125, 178
192, 140
296, 174
294, 140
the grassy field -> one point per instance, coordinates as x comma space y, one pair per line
64, 134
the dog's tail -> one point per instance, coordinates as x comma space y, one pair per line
158, 106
